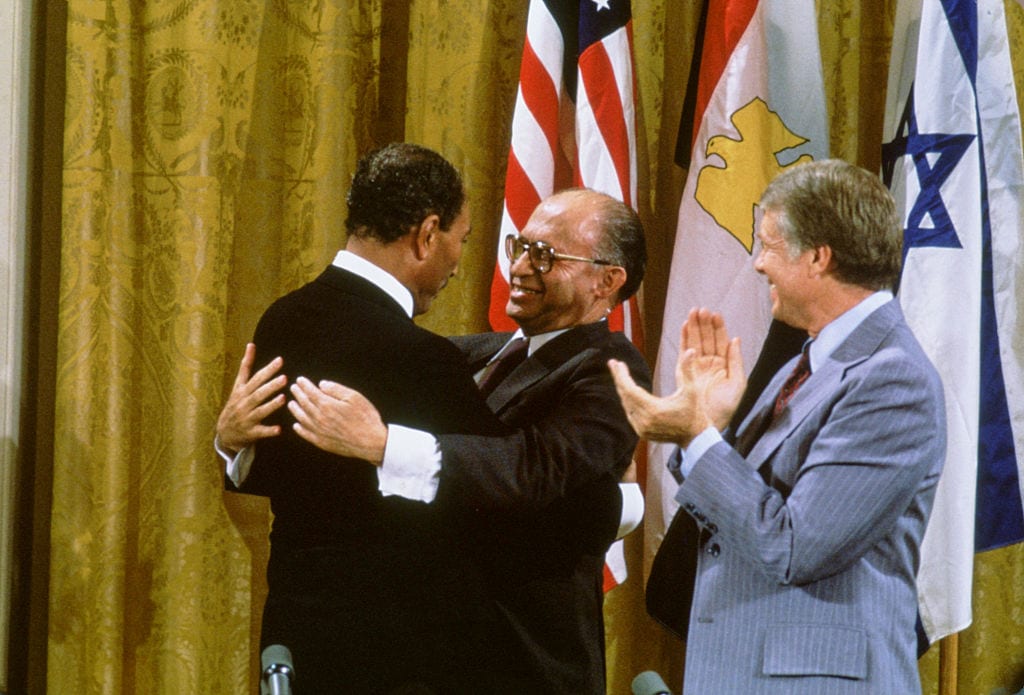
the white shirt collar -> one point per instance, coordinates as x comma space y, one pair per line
540, 340
388, 283
536, 341
832, 335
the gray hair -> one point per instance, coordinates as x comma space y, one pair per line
833, 203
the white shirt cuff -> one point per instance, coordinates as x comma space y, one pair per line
632, 508
236, 467
698, 447
412, 464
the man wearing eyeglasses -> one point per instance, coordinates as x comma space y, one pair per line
540, 506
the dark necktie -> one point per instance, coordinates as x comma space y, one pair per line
506, 360
797, 377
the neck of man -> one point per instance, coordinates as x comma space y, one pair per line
390, 257
597, 312
836, 299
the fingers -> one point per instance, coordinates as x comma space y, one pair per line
734, 358
306, 397
261, 385
338, 391
260, 412
689, 336
263, 378
264, 431
684, 365
624, 383
704, 331
307, 434
245, 367
304, 410
721, 336
635, 400
706, 323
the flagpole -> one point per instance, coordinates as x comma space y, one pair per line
948, 654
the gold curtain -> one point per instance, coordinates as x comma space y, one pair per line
207, 148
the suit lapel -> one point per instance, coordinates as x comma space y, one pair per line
572, 347
479, 348
857, 347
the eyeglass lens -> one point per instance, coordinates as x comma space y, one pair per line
541, 255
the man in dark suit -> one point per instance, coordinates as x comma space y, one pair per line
362, 587
540, 505
810, 516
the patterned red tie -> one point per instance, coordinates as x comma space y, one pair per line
799, 375
500, 367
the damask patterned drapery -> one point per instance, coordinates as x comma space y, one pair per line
207, 148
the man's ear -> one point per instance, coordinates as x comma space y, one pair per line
821, 259
612, 279
425, 236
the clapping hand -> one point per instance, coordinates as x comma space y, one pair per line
709, 384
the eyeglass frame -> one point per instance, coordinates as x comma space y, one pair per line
527, 247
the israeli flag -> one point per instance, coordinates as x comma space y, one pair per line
952, 158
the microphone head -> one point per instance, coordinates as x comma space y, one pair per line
649, 683
276, 658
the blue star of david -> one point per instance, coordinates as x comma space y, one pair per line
949, 149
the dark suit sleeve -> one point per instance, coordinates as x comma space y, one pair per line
412, 376
572, 433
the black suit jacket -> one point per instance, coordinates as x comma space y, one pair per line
545, 502
370, 593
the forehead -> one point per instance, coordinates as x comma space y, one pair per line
768, 229
562, 222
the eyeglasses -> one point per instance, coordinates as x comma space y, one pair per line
541, 255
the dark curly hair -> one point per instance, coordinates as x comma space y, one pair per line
397, 186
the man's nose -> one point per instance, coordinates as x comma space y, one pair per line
520, 265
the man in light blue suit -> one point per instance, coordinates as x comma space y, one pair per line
811, 514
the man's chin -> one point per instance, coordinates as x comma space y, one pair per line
422, 305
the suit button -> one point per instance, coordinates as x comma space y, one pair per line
712, 529
689, 506
714, 550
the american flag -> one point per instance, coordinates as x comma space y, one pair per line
574, 125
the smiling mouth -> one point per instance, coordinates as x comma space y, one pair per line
519, 289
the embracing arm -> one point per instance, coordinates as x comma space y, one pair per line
572, 432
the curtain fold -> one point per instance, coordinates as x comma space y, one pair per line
208, 145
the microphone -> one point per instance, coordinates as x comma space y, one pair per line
278, 670
649, 683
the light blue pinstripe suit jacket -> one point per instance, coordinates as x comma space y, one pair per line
805, 583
